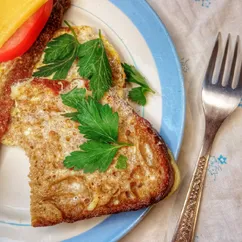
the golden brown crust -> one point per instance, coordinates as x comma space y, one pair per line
150, 135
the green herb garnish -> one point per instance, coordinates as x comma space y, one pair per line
60, 54
93, 156
74, 97
136, 94
93, 62
59, 57
122, 162
99, 124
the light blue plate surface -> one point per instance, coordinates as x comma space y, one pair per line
173, 107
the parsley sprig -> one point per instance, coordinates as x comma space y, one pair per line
93, 62
137, 94
93, 65
99, 125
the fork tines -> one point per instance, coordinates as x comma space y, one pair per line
225, 64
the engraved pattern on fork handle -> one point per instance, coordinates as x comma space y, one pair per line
187, 223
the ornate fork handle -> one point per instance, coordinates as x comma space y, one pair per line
185, 230
187, 223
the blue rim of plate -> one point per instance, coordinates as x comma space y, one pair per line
173, 108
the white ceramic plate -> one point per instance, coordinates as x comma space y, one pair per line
141, 39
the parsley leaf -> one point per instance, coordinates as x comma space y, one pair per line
133, 75
59, 48
93, 156
74, 97
122, 162
98, 122
136, 94
94, 65
59, 68
59, 57
60, 54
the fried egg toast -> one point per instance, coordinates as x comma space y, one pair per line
59, 194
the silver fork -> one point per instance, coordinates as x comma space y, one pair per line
218, 103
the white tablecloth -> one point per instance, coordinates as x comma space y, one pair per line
193, 26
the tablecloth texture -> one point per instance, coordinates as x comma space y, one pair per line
193, 26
